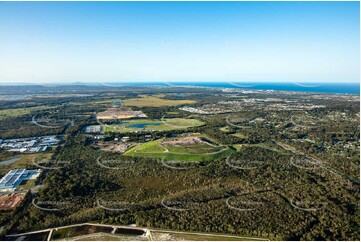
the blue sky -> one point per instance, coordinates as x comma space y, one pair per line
179, 41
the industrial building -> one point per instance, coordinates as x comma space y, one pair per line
115, 114
29, 145
14, 177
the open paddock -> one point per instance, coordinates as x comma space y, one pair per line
154, 101
184, 149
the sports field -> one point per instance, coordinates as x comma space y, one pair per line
177, 151
152, 125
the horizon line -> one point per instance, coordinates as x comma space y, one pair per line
151, 81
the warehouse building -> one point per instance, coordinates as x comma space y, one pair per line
14, 177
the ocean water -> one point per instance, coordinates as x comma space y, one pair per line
340, 88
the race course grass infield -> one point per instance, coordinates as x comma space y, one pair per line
151, 125
194, 152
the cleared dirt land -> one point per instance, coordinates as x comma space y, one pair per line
10, 201
163, 236
107, 237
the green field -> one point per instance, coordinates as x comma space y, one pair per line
240, 135
186, 152
224, 129
151, 125
154, 101
16, 112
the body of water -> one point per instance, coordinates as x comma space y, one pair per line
142, 125
341, 88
